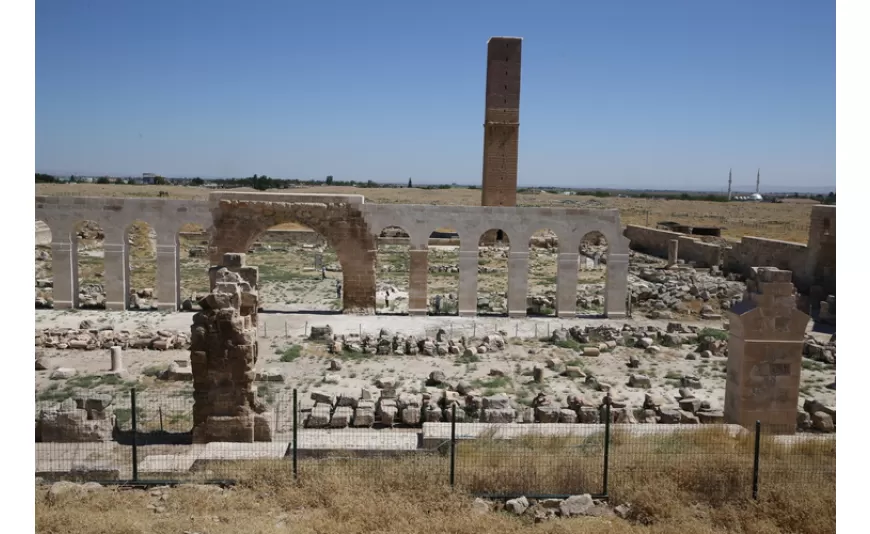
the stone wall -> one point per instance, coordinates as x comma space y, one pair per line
758, 251
655, 243
234, 221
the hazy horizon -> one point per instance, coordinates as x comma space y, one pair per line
634, 95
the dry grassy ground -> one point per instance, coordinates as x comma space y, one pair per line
787, 221
701, 486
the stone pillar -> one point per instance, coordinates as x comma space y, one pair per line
673, 249
765, 353
566, 284
117, 265
518, 283
117, 356
223, 354
616, 287
468, 282
167, 271
63, 271
418, 280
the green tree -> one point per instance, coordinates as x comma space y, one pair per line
410, 185
159, 180
197, 181
103, 180
329, 180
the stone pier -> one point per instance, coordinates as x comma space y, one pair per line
673, 251
765, 353
223, 353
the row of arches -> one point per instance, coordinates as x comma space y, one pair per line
89, 273
300, 271
493, 279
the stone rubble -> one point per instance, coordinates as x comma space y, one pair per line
78, 419
106, 337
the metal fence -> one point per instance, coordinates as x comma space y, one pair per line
150, 442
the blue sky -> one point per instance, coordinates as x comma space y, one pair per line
664, 94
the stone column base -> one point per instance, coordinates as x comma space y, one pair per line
418, 312
516, 314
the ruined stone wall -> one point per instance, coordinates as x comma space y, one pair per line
759, 251
822, 248
501, 122
654, 242
223, 354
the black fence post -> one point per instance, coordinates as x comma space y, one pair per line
756, 458
135, 432
607, 418
452, 444
295, 436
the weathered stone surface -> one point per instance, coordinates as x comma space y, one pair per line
341, 417
639, 381
576, 505
498, 415
224, 353
62, 373
517, 506
364, 417
319, 416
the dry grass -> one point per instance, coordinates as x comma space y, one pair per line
787, 221
695, 483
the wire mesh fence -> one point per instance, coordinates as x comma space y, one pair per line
148, 437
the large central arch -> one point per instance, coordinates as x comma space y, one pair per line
240, 218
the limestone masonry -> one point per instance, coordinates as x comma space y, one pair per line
351, 227
764, 353
223, 353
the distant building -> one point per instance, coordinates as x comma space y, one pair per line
149, 178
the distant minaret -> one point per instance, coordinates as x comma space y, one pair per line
729, 184
758, 181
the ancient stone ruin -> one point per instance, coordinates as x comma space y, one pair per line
223, 353
78, 419
764, 353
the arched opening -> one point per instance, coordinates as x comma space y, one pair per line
90, 265
141, 263
591, 274
193, 265
543, 268
298, 270
492, 272
442, 284
393, 272
44, 280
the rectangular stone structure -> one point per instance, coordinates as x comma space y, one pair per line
673, 251
764, 354
501, 122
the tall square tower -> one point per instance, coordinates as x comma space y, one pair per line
501, 121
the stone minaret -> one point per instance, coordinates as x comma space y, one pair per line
758, 181
729, 184
501, 122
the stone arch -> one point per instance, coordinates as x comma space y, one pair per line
592, 249
543, 288
492, 271
238, 223
393, 269
140, 264
89, 264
